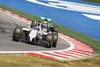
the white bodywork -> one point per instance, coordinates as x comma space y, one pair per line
32, 34
27, 29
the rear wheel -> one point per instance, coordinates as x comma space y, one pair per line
49, 41
55, 39
56, 29
16, 34
54, 44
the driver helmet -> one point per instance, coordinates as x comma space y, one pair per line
45, 22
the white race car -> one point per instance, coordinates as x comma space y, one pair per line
38, 33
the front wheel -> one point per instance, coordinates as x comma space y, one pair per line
49, 41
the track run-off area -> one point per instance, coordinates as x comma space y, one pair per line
67, 48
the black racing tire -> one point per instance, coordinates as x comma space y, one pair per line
55, 39
54, 44
49, 41
16, 34
56, 29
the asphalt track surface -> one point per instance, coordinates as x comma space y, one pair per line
7, 25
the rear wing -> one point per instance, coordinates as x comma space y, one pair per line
45, 19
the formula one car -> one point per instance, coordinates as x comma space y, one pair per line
38, 32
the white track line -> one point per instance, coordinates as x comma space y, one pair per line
95, 17
70, 6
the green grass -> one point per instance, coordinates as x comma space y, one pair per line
23, 60
95, 44
96, 1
